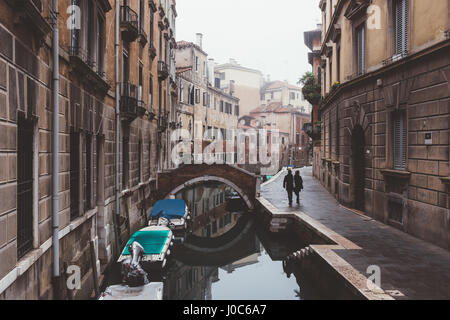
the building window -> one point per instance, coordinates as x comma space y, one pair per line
89, 31
74, 175
236, 110
331, 71
125, 67
180, 93
74, 33
24, 187
401, 8
152, 22
140, 160
338, 63
205, 98
100, 44
221, 106
399, 140
141, 83
196, 64
88, 190
297, 138
150, 92
292, 95
197, 95
360, 49
99, 169
125, 161
192, 95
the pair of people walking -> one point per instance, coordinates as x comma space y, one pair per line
293, 184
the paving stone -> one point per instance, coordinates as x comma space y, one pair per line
415, 268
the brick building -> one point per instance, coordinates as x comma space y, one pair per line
385, 131
205, 110
87, 99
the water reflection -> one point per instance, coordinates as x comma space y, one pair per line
229, 254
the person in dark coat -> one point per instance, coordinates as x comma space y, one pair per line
298, 185
288, 184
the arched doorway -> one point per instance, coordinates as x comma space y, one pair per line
358, 166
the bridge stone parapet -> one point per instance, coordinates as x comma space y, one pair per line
243, 182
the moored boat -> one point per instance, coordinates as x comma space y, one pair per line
172, 213
155, 242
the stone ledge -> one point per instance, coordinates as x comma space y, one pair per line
396, 173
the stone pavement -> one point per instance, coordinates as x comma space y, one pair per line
415, 268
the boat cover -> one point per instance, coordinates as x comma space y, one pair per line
169, 209
153, 241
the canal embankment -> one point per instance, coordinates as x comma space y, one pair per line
348, 247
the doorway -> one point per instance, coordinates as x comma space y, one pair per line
358, 166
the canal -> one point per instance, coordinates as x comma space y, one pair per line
230, 253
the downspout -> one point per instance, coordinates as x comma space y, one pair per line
55, 155
117, 161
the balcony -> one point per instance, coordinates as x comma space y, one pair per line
152, 5
31, 11
142, 36
151, 113
87, 69
163, 70
129, 101
162, 123
151, 51
129, 24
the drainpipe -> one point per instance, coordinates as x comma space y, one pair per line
116, 46
55, 154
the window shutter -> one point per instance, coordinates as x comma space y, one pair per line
401, 26
399, 130
361, 48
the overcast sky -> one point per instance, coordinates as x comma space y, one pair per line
263, 34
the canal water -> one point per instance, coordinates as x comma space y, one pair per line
229, 253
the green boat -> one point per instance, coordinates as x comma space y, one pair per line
155, 241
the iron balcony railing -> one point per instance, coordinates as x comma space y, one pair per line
129, 95
163, 70
129, 22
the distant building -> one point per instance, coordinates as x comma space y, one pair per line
242, 82
207, 111
289, 121
287, 94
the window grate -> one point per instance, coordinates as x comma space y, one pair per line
24, 188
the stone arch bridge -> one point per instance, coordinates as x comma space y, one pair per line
245, 183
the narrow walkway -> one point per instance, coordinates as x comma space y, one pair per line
415, 268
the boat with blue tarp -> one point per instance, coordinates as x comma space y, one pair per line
172, 213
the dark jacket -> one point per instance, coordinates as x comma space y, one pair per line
288, 182
298, 182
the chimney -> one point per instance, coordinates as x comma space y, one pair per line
268, 78
199, 41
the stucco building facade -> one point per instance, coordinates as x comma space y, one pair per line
385, 134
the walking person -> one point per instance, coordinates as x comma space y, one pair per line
288, 184
298, 185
